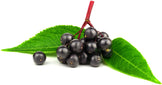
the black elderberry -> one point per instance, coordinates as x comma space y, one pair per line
90, 34
107, 53
95, 60
73, 60
39, 57
62, 53
103, 34
66, 38
82, 40
91, 47
104, 43
76, 46
83, 58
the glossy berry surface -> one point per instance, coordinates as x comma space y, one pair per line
90, 47
103, 34
90, 34
95, 61
82, 40
73, 60
107, 53
76, 46
83, 58
61, 59
62, 53
66, 38
104, 43
39, 58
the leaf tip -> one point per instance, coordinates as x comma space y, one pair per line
158, 82
3, 49
6, 49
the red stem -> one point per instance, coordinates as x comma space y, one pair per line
84, 24
89, 10
90, 23
87, 21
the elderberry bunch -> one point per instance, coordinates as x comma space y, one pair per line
88, 50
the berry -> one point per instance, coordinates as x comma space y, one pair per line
90, 34
95, 61
73, 60
62, 53
83, 58
82, 40
98, 39
104, 43
66, 38
39, 58
107, 53
103, 34
62, 60
91, 47
76, 46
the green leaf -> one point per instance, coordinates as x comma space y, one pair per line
46, 41
127, 59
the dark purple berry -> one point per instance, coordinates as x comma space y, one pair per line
76, 46
66, 38
39, 58
95, 61
83, 58
104, 43
90, 47
90, 34
62, 53
107, 53
103, 34
82, 40
73, 60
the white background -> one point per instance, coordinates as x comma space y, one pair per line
138, 21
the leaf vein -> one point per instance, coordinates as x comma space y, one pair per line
131, 63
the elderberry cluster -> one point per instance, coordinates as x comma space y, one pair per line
88, 50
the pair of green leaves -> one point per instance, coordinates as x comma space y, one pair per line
125, 57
